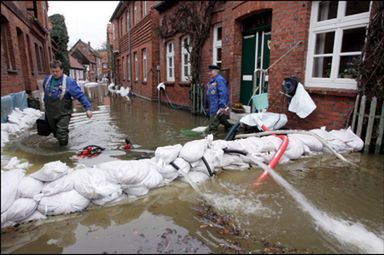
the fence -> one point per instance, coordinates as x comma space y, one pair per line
368, 121
197, 97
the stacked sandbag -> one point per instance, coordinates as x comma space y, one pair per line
18, 121
58, 189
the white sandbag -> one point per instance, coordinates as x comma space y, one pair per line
153, 179
169, 172
310, 141
33, 112
108, 198
135, 190
273, 121
349, 138
9, 182
356, 143
323, 134
29, 187
196, 177
62, 184
35, 217
194, 150
214, 159
233, 162
51, 171
167, 153
294, 149
10, 128
21, 209
63, 203
4, 138
126, 172
15, 163
92, 183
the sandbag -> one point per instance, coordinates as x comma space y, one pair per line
51, 171
126, 172
29, 187
294, 149
193, 150
92, 183
35, 216
135, 190
9, 184
167, 153
62, 184
313, 144
196, 177
21, 209
63, 203
14, 163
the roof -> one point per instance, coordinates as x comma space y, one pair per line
74, 64
117, 11
88, 48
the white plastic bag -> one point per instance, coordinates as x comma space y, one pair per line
64, 183
21, 209
29, 187
194, 150
167, 153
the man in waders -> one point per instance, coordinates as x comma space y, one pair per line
217, 95
58, 92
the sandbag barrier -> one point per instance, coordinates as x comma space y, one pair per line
58, 189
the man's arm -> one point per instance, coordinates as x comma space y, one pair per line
223, 93
75, 91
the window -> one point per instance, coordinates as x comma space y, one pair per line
113, 31
129, 66
185, 58
136, 66
135, 18
217, 35
6, 45
122, 61
336, 38
170, 62
143, 8
128, 19
38, 58
144, 56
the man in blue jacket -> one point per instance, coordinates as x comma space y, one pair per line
218, 102
58, 92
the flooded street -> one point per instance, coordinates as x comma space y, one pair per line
341, 203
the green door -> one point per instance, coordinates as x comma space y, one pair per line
255, 47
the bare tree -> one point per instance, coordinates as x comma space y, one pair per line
194, 19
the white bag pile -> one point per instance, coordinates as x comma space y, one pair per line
18, 121
58, 189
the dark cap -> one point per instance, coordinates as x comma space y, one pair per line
213, 67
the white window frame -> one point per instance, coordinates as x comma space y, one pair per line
144, 63
129, 67
337, 25
170, 70
136, 66
184, 51
217, 44
144, 8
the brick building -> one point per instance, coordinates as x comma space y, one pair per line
135, 45
26, 47
319, 41
88, 57
104, 66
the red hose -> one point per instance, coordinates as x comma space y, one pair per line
275, 159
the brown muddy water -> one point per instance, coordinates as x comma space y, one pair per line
328, 206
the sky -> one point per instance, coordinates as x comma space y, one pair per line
85, 20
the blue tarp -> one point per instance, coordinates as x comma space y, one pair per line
12, 101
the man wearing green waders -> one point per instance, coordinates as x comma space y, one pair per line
58, 92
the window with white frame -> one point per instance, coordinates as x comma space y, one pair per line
135, 18
129, 67
144, 62
336, 38
170, 62
217, 35
136, 66
185, 58
143, 8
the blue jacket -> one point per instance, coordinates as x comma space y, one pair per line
217, 94
72, 90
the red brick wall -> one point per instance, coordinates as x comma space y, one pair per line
25, 74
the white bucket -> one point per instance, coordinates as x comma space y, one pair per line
247, 108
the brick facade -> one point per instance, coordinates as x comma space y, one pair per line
26, 47
87, 56
136, 38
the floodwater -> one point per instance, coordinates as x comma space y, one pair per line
320, 205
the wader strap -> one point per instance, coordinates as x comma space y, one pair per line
64, 86
47, 84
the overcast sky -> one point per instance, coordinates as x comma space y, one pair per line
85, 20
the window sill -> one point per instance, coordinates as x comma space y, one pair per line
169, 83
332, 92
184, 83
12, 71
144, 82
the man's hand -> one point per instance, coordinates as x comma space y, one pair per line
223, 111
89, 114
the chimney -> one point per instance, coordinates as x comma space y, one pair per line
89, 43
